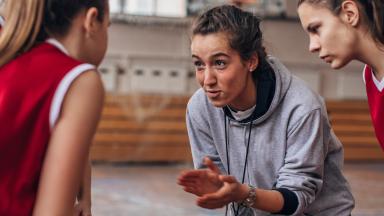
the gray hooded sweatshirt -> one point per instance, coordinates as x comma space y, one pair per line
291, 145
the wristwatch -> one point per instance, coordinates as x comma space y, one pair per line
251, 198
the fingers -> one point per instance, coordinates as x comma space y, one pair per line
219, 195
192, 190
77, 210
86, 214
200, 182
192, 174
189, 177
209, 163
228, 179
214, 200
196, 176
190, 184
222, 197
211, 205
82, 212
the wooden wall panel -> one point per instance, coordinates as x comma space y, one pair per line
151, 128
351, 123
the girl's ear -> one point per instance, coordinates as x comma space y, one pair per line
253, 62
350, 12
91, 22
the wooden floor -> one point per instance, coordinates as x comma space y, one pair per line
151, 190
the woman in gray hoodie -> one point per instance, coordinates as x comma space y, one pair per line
261, 134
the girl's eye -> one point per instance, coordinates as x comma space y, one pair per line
220, 63
314, 29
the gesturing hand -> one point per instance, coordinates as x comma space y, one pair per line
203, 181
214, 190
232, 191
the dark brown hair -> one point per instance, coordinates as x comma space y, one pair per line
242, 28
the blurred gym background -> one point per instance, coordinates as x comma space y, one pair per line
141, 143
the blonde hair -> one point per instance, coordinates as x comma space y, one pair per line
21, 28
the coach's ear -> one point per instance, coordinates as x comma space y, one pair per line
253, 62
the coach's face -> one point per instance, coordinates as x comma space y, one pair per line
224, 76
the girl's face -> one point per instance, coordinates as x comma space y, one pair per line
224, 76
331, 37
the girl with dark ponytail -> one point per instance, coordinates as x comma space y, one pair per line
345, 30
50, 101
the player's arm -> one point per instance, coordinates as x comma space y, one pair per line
69, 145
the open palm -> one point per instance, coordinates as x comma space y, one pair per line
203, 181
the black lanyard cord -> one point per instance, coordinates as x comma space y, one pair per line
246, 161
236, 211
227, 144
227, 154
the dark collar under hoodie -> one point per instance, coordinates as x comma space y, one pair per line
266, 83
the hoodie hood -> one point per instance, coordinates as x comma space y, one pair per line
273, 81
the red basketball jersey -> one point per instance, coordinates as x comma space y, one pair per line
376, 104
32, 88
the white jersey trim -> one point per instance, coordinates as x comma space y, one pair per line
2, 21
379, 84
57, 44
62, 89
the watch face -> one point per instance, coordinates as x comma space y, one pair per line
250, 200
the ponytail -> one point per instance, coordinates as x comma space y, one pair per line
377, 28
373, 17
23, 24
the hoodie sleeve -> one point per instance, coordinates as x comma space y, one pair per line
200, 140
303, 169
